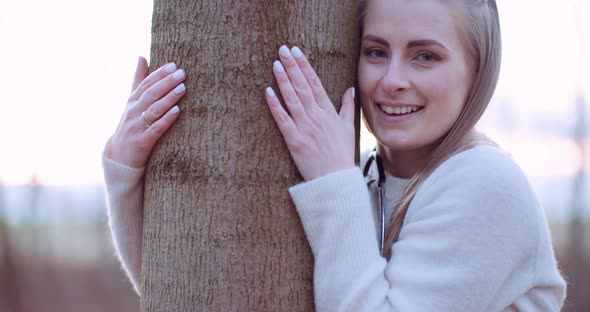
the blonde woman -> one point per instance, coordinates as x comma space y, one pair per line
448, 221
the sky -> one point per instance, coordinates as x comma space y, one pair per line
68, 67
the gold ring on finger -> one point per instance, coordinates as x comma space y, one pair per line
145, 120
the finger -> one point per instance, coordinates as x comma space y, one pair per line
160, 89
298, 80
159, 108
141, 72
281, 117
289, 95
347, 108
152, 79
160, 126
312, 79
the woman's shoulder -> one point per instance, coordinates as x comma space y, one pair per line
484, 179
480, 202
480, 164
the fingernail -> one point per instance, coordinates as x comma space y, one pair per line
179, 89
179, 74
284, 51
270, 92
296, 52
353, 93
174, 110
278, 67
170, 68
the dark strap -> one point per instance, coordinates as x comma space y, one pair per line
374, 156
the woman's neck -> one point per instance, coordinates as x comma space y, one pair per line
404, 164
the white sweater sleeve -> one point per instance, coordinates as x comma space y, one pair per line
474, 239
124, 190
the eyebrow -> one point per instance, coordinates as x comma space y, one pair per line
411, 44
425, 42
376, 39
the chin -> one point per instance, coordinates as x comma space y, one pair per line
399, 144
404, 142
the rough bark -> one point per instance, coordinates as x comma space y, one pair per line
220, 230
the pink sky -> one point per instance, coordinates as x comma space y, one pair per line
69, 65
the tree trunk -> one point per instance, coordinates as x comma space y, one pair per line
220, 230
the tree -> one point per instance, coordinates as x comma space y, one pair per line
220, 230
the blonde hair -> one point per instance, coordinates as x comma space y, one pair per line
483, 44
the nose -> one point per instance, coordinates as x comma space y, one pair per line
395, 79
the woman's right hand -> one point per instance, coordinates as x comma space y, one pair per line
320, 140
150, 111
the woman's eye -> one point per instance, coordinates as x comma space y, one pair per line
427, 57
375, 53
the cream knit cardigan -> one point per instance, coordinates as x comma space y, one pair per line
474, 238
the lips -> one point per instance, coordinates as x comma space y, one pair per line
398, 110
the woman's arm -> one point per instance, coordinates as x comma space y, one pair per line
124, 190
150, 111
474, 239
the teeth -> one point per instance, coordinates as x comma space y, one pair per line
398, 110
388, 110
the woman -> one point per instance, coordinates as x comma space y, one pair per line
464, 230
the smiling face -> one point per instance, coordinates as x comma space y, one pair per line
414, 75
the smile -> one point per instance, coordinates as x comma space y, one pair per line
399, 110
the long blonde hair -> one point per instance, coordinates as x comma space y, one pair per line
483, 43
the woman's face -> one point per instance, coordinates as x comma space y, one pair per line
414, 74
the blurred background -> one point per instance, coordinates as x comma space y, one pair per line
65, 78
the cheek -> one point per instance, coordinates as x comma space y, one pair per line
368, 78
448, 89
362, 79
365, 90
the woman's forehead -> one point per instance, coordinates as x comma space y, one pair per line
412, 19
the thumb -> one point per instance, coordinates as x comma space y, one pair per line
347, 108
141, 72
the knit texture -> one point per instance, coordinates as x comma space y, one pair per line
124, 189
474, 239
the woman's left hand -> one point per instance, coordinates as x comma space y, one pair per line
319, 139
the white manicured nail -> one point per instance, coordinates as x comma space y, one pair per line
179, 89
279, 67
179, 74
352, 93
296, 52
270, 92
284, 51
170, 68
174, 110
